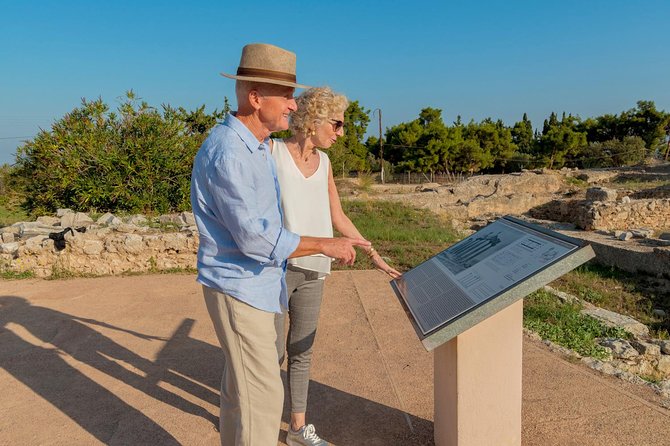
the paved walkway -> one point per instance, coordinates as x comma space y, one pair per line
133, 360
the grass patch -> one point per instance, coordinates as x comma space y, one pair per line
616, 290
176, 270
406, 235
563, 324
60, 273
365, 181
637, 184
6, 274
11, 213
653, 379
573, 181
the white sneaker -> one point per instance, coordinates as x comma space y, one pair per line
306, 436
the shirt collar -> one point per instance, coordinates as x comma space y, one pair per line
245, 134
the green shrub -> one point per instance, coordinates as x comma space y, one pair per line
138, 159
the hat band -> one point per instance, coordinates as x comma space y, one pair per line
268, 74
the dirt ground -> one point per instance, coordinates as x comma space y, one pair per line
134, 360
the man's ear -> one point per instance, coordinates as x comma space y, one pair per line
255, 99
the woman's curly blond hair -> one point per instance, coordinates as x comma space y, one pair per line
314, 106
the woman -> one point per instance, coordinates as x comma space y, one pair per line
311, 207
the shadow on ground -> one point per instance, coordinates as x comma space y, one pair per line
44, 358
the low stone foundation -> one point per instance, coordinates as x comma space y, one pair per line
109, 246
634, 256
623, 214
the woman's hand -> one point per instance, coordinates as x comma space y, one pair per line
381, 265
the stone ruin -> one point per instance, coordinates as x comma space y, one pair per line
603, 216
604, 209
71, 242
479, 196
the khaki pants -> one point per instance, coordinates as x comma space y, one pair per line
252, 393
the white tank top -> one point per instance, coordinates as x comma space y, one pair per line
305, 203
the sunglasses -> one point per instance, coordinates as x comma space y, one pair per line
337, 124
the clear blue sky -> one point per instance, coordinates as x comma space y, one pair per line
482, 59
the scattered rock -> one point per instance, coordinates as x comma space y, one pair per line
620, 348
75, 220
48, 220
665, 388
601, 194
613, 319
625, 236
597, 176
61, 212
664, 365
127, 228
32, 228
664, 236
136, 219
642, 233
7, 237
625, 200
428, 187
665, 347
659, 312
174, 219
565, 297
657, 242
109, 219
646, 348
9, 248
188, 218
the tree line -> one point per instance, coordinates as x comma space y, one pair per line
138, 158
427, 144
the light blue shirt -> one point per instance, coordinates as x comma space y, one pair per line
235, 198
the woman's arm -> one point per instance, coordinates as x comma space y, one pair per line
344, 225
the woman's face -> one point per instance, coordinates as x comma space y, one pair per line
329, 130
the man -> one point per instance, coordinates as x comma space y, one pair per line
244, 246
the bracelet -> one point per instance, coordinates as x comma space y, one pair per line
371, 252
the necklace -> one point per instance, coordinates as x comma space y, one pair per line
299, 155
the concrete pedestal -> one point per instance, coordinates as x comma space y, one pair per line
478, 383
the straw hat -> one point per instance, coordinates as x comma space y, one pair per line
268, 64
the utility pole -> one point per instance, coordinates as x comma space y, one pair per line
381, 145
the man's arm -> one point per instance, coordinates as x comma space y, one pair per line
341, 248
234, 203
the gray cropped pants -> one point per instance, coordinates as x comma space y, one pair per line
305, 291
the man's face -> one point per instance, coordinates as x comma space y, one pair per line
277, 103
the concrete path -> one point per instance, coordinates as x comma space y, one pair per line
134, 360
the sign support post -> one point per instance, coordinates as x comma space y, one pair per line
478, 383
465, 304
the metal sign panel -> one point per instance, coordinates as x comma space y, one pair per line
466, 278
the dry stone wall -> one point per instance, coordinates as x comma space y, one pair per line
604, 209
650, 213
73, 243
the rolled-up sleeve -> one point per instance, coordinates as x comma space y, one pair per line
287, 242
236, 202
